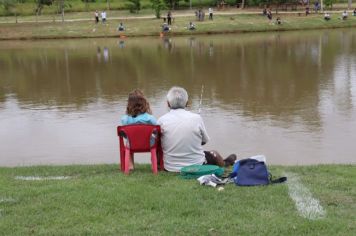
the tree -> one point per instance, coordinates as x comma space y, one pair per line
172, 4
329, 3
87, 3
134, 6
108, 4
8, 6
62, 4
40, 4
157, 6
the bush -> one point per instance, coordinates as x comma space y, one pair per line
134, 6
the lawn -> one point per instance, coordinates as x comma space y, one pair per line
100, 200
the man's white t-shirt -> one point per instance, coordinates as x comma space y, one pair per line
183, 133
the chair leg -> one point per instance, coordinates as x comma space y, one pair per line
160, 158
132, 156
126, 161
122, 162
122, 154
154, 160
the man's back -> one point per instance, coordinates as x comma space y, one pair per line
183, 133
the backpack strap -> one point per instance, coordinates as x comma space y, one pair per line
278, 180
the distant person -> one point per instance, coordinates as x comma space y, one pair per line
210, 10
96, 14
264, 12
202, 15
316, 6
327, 16
121, 27
191, 26
165, 28
169, 18
278, 21
344, 15
103, 16
269, 15
354, 14
198, 14
307, 10
138, 111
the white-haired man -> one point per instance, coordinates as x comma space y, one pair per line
183, 134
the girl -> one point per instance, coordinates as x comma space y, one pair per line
138, 110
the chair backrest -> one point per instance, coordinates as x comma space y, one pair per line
139, 136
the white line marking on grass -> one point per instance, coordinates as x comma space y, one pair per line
32, 178
307, 206
6, 200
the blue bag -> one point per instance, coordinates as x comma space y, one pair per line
251, 172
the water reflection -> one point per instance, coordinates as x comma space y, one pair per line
167, 42
121, 44
281, 85
106, 54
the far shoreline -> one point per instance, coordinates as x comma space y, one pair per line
172, 34
231, 23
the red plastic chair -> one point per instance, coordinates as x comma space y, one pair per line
138, 140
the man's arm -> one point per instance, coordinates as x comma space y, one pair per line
204, 133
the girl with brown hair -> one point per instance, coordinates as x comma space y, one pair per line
138, 110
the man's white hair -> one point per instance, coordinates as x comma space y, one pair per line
177, 97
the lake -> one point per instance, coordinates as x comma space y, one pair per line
290, 96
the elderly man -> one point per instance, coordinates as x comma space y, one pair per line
183, 134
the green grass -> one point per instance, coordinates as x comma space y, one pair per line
152, 27
100, 200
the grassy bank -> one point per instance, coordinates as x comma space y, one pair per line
100, 200
151, 27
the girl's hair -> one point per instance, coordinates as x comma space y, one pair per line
137, 104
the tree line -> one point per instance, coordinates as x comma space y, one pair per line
11, 7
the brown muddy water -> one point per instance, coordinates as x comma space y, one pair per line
290, 96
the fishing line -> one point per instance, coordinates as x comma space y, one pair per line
201, 97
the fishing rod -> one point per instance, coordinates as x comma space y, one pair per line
201, 97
